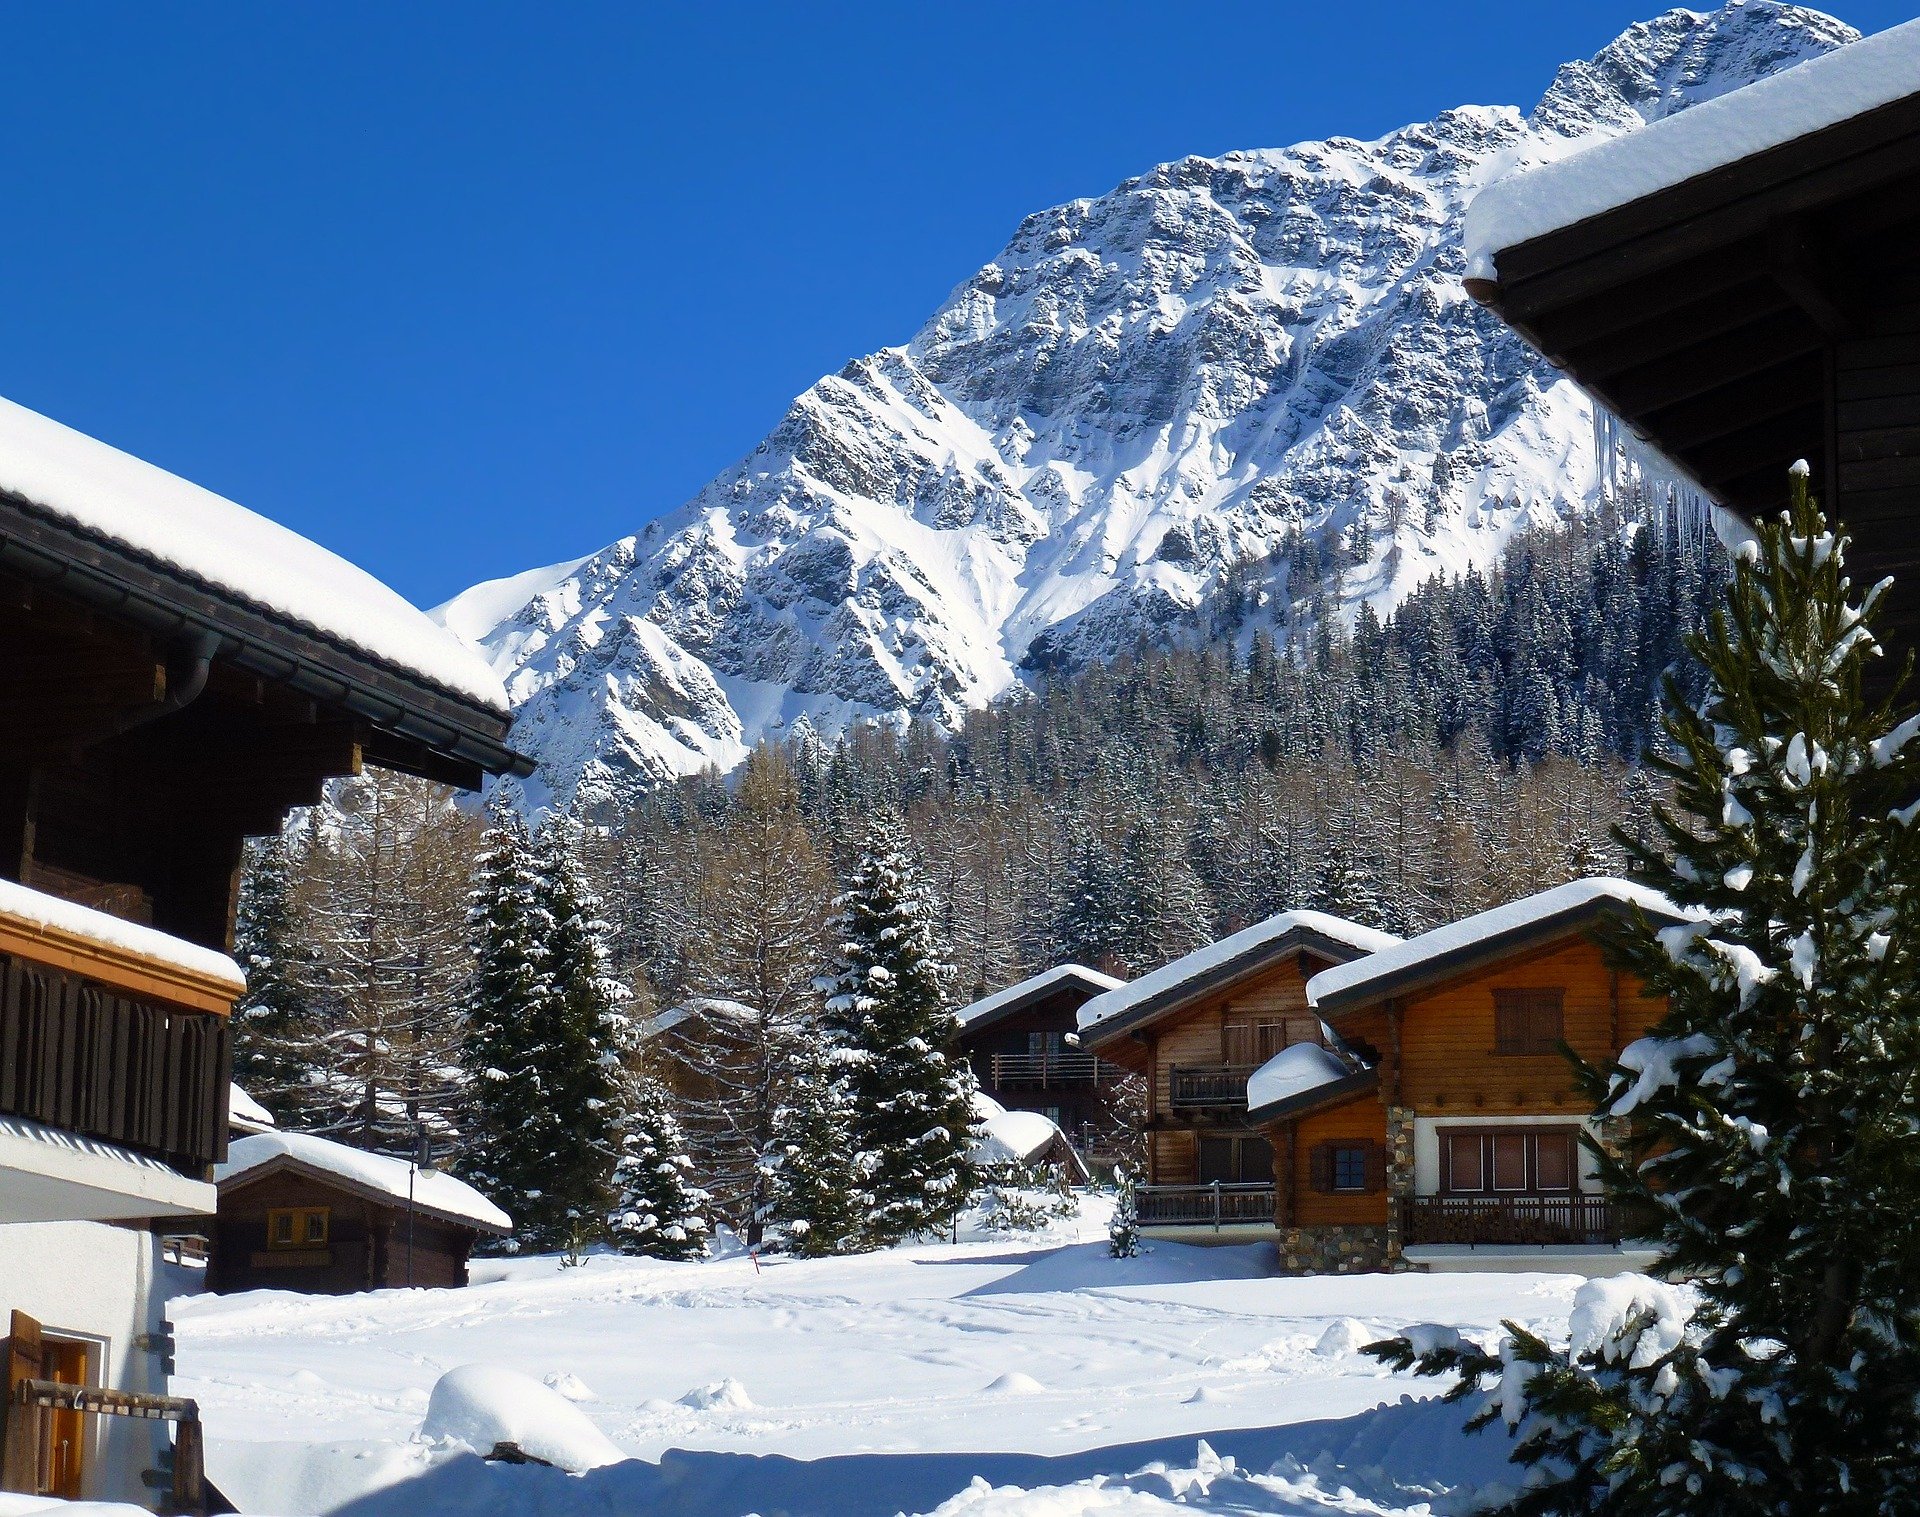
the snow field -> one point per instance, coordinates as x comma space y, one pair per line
1062, 1379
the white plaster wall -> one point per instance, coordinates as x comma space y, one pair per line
95, 1281
1426, 1147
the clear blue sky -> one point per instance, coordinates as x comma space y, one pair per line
462, 288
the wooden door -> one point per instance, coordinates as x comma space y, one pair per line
63, 1440
19, 1425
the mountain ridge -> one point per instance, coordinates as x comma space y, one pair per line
1252, 379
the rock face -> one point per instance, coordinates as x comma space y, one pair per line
1185, 387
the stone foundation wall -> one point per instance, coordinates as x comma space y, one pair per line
1350, 1249
1400, 1177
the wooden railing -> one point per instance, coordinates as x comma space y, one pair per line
1053, 1069
1477, 1220
94, 1060
1195, 1085
1203, 1205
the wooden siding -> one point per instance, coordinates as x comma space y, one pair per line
1448, 1066
1359, 1121
82, 1057
1199, 1033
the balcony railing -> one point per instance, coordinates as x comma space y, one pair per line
1203, 1205
103, 1063
1194, 1086
1522, 1220
1048, 1069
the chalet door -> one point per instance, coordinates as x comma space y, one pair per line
63, 1440
1236, 1161
1508, 1161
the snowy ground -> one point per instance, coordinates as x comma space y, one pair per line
991, 1377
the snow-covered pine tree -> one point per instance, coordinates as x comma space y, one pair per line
657, 1209
588, 1038
886, 1009
508, 1121
1771, 1120
815, 1177
278, 1056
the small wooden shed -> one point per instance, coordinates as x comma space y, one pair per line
303, 1213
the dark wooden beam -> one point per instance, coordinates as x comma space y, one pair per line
1701, 368
1778, 391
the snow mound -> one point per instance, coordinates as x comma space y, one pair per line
727, 1395
1603, 1310
1292, 1072
569, 1385
482, 1406
1345, 1336
1014, 1383
1206, 1395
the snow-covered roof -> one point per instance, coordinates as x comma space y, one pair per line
48, 915
1449, 948
708, 1007
143, 508
1292, 1072
244, 1114
433, 1190
1818, 93
1245, 952
987, 1008
1011, 1137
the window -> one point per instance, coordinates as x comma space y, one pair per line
1528, 1021
1508, 1161
298, 1227
1347, 1167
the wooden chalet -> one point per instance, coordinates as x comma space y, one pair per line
1451, 1140
1022, 1045
1738, 284
302, 1213
178, 674
1197, 1030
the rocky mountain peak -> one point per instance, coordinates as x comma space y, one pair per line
1229, 394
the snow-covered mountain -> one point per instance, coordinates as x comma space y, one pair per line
1195, 373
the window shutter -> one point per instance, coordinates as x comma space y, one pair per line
1528, 1021
1376, 1167
1320, 1168
1509, 1022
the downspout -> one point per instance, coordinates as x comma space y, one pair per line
188, 664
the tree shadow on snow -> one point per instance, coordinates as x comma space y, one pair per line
1393, 1454
1088, 1266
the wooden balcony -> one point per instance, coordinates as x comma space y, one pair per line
115, 1034
1199, 1087
1052, 1070
1203, 1205
1509, 1220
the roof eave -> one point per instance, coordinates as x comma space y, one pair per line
1476, 955
1320, 1098
109, 576
280, 1163
1253, 961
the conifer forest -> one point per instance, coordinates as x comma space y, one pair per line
1483, 741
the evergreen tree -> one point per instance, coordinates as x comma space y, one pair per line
815, 1177
1772, 1120
1123, 1233
657, 1210
276, 1051
544, 1040
910, 1104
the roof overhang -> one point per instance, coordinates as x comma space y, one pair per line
425, 729
1221, 977
50, 1175
1704, 314
1061, 983
1482, 952
1339, 1092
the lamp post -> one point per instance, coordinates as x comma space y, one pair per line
422, 1158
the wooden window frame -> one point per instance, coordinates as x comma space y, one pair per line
1352, 1157
1532, 1132
1529, 1022
299, 1221
1323, 1166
